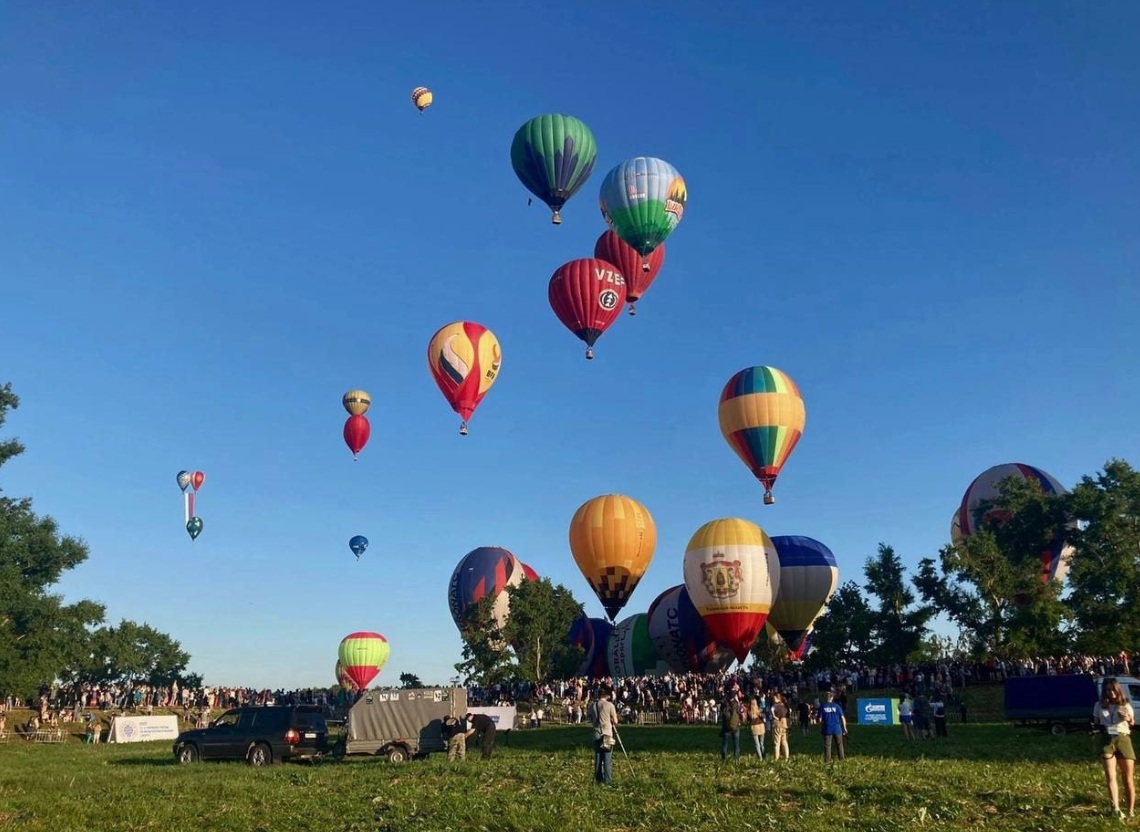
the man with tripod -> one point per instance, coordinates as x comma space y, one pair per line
605, 734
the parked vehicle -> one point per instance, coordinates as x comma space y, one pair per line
402, 724
1059, 702
260, 736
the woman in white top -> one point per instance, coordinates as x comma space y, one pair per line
1114, 714
906, 711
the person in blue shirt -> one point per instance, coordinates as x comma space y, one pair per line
834, 725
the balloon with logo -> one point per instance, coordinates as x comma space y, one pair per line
732, 574
762, 418
642, 200
343, 679
612, 538
488, 570
363, 655
587, 296
630, 651
1055, 558
422, 98
553, 156
681, 637
358, 544
464, 359
808, 577
611, 248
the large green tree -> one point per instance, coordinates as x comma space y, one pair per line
843, 633
1105, 574
899, 623
42, 638
541, 615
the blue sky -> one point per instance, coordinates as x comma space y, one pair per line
216, 220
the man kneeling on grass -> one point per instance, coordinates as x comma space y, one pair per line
834, 725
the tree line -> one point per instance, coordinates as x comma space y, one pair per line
43, 639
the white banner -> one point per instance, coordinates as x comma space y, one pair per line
143, 728
504, 718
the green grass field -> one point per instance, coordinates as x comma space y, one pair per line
992, 776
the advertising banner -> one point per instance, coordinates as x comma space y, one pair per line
504, 718
878, 711
143, 728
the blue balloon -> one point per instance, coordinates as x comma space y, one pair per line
358, 544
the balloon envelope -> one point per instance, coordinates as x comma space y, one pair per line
1056, 557
356, 402
488, 570
358, 544
642, 200
762, 417
422, 98
808, 577
732, 574
553, 156
184, 479
342, 678
681, 637
630, 651
528, 572
587, 296
613, 249
196, 479
464, 359
362, 655
356, 433
592, 635
194, 527
612, 538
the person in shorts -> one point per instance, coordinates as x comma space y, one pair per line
906, 716
1115, 717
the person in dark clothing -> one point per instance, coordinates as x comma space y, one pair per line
484, 726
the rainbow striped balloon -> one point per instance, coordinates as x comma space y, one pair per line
762, 418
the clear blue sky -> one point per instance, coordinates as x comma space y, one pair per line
216, 219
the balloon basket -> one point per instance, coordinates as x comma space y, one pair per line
632, 310
645, 265
556, 219
768, 498
590, 354
463, 429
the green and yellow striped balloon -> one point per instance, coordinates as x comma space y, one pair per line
362, 655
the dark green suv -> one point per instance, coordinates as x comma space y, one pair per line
261, 736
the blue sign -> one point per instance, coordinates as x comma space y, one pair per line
878, 711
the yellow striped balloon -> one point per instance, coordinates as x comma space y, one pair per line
356, 402
421, 97
613, 538
762, 417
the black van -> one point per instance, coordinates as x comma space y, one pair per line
261, 736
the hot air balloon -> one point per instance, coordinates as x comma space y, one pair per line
343, 679
528, 572
611, 248
356, 433
612, 538
587, 296
362, 655
553, 156
630, 651
808, 577
1055, 558
732, 574
358, 544
643, 200
956, 527
798, 654
196, 480
592, 635
464, 359
421, 97
184, 479
681, 637
356, 402
194, 527
762, 418
488, 570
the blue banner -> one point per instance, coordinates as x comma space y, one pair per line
878, 711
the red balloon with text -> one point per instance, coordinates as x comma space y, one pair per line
587, 296
638, 271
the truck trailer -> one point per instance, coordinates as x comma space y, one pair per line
400, 724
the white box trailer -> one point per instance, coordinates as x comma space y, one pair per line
401, 724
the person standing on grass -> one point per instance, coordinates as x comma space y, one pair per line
780, 726
922, 716
729, 727
605, 721
938, 709
1115, 717
757, 726
833, 724
805, 717
906, 716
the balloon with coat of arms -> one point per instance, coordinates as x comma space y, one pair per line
732, 573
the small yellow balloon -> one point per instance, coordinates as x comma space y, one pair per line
421, 97
356, 402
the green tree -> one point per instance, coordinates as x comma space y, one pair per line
898, 626
1105, 574
486, 659
540, 619
410, 680
131, 652
843, 633
40, 635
